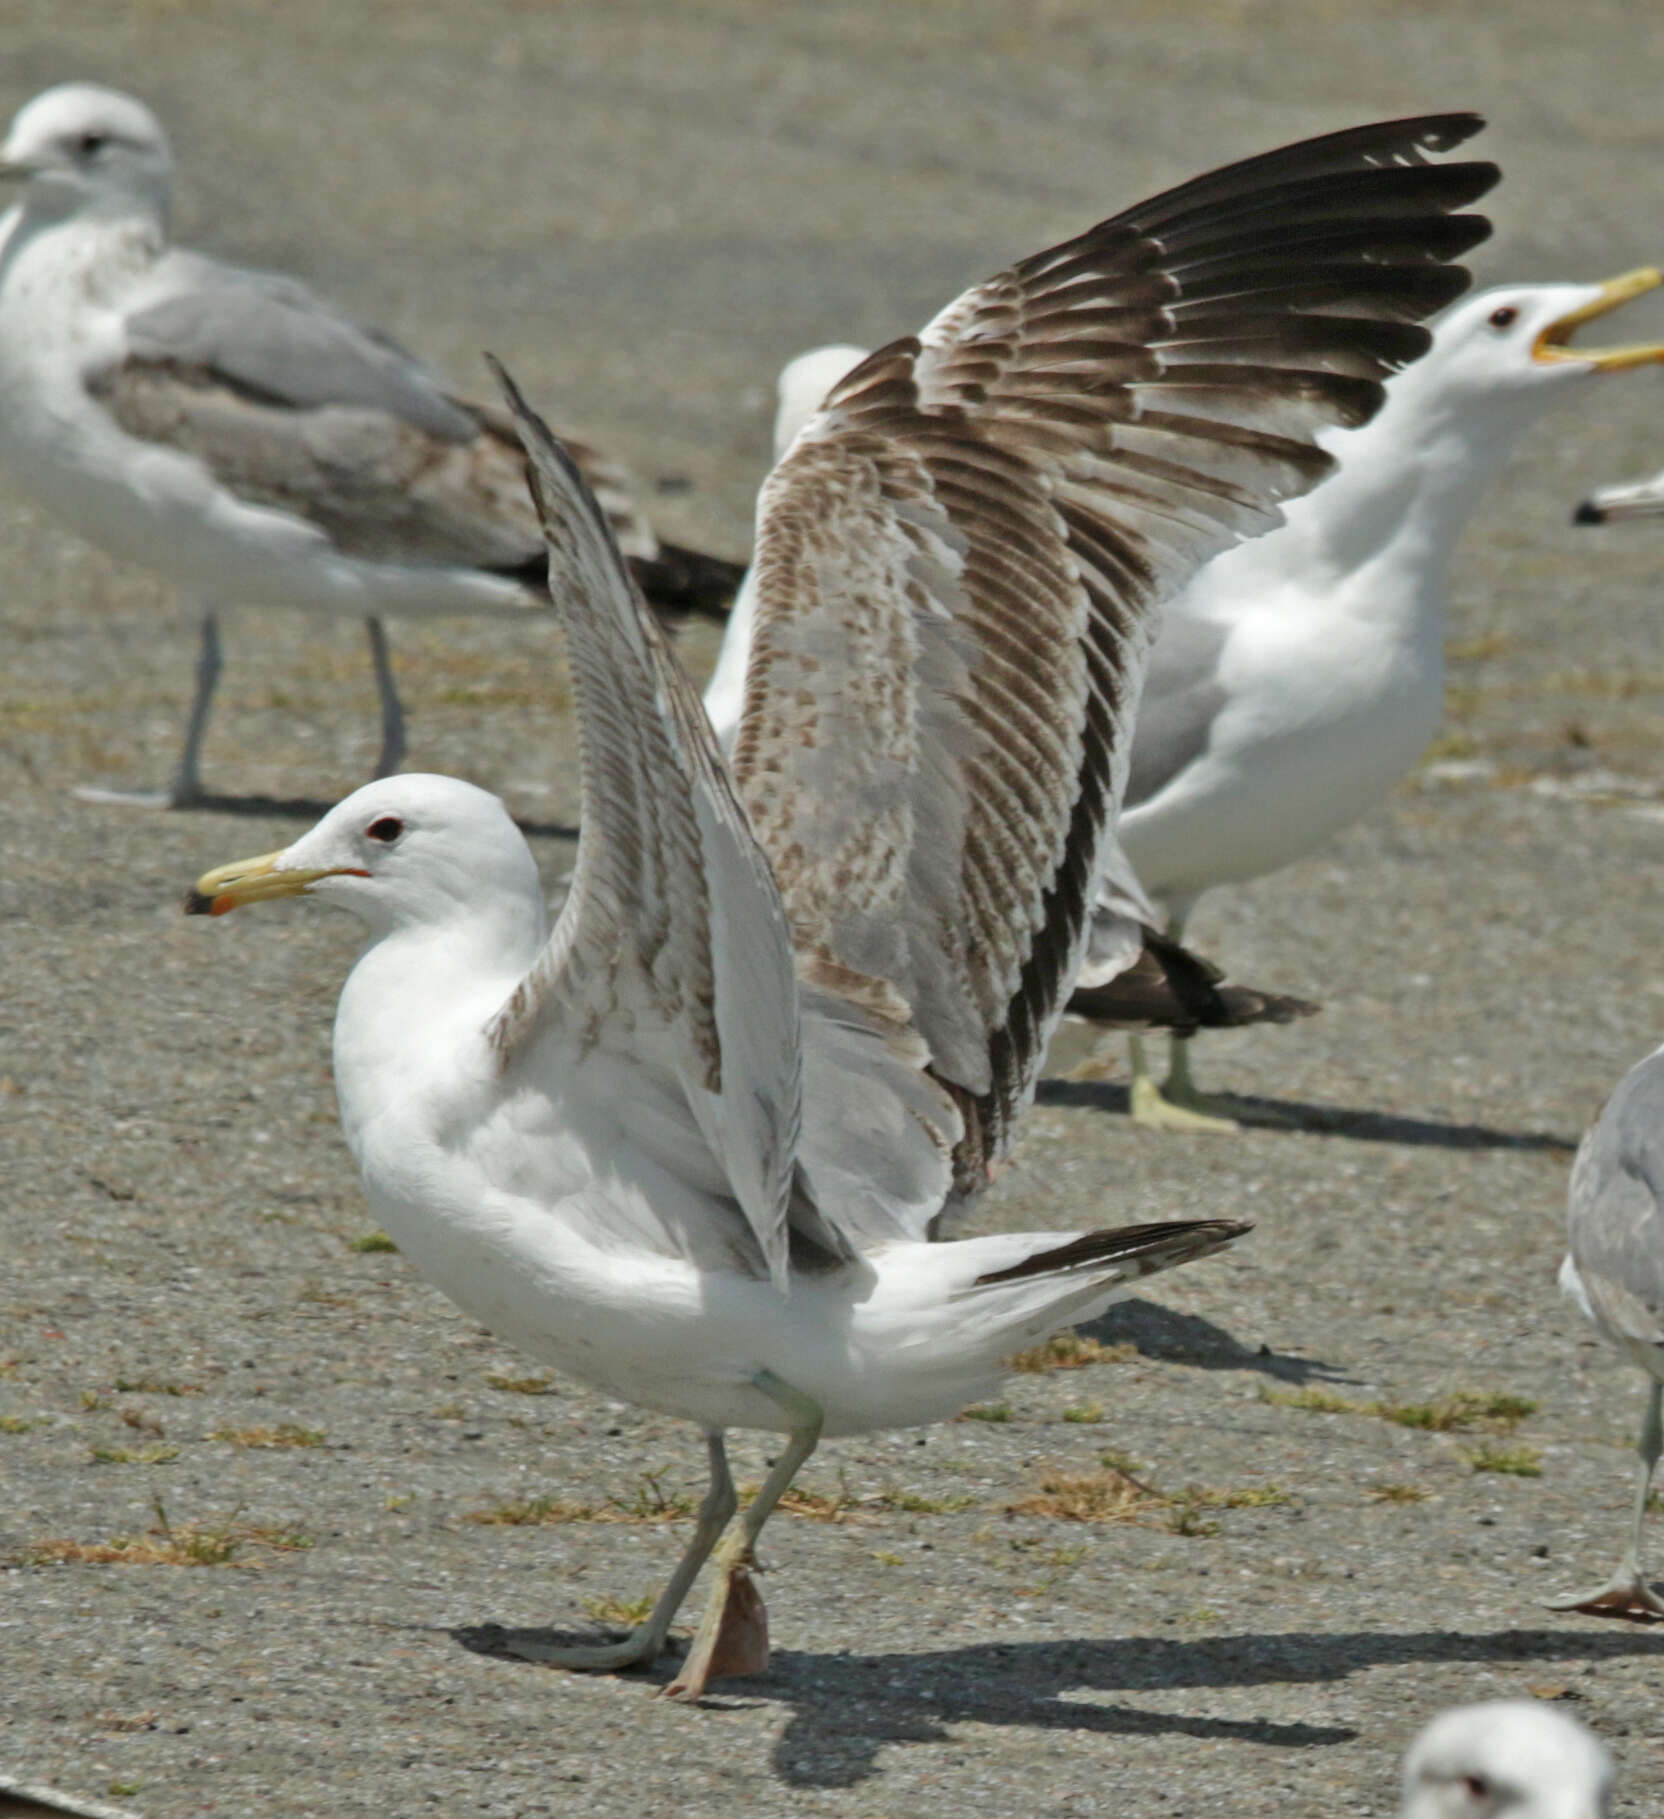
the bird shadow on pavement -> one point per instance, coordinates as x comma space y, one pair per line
847, 1707
306, 808
1163, 1332
1356, 1122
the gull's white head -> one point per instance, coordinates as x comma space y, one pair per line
1507, 1759
1512, 346
416, 851
804, 382
79, 146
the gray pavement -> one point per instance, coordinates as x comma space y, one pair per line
644, 209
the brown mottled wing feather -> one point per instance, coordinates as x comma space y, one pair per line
960, 560
673, 948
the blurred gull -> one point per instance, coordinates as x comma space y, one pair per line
1626, 499
1506, 1759
1614, 1271
691, 1144
230, 430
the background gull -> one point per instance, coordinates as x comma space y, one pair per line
1506, 1759
691, 1143
1614, 1271
1624, 499
1299, 677
232, 431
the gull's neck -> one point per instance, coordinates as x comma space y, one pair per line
1378, 534
413, 1012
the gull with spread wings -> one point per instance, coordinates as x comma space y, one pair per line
693, 1143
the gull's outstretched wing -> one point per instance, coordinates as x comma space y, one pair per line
292, 405
1615, 1210
960, 562
673, 945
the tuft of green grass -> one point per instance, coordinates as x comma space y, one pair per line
1110, 1496
888, 1559
649, 1502
1068, 1351
523, 1386
170, 1544
285, 1434
985, 1411
1086, 1414
23, 1424
625, 1612
133, 1455
148, 1386
372, 1241
914, 1504
1513, 1461
1397, 1493
1493, 1411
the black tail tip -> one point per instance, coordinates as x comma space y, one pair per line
1588, 513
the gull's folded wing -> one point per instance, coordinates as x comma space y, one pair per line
1615, 1208
960, 561
290, 404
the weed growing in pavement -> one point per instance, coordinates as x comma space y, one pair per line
1512, 1461
1068, 1351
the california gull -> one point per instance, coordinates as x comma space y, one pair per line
230, 430
691, 1144
1299, 677
1614, 1271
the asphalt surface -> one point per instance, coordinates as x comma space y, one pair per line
644, 210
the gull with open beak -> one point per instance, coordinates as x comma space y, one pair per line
1300, 676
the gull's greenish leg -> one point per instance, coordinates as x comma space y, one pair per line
645, 1643
1175, 1105
1626, 1593
186, 786
733, 1633
392, 709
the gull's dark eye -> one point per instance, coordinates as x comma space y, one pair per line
1505, 317
89, 145
386, 830
1476, 1786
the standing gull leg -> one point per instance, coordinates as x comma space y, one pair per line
392, 711
186, 786
1626, 1593
1175, 1105
645, 1643
733, 1633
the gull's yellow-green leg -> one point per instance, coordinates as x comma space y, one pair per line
1626, 1593
645, 1643
733, 1634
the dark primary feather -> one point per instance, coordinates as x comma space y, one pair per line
1170, 988
1142, 1249
961, 559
